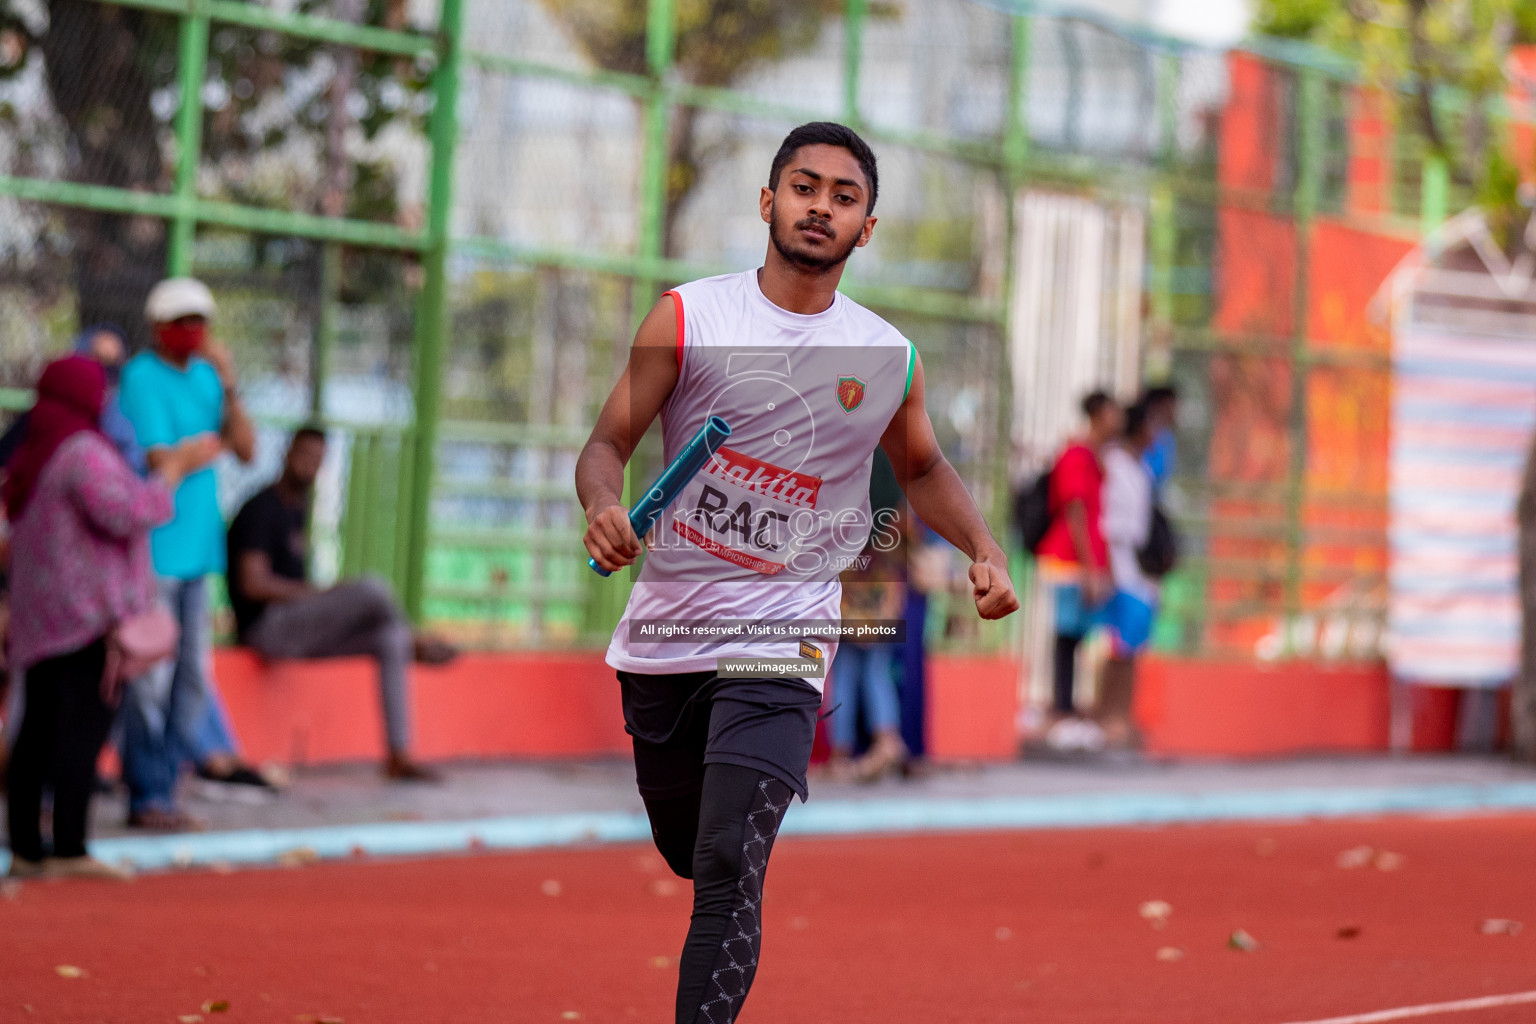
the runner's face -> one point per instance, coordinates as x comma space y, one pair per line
816, 217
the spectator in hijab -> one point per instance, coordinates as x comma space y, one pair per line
105, 344
80, 549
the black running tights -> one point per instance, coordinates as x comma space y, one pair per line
720, 837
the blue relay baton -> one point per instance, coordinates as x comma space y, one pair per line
673, 479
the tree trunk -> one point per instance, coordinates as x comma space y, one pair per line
1523, 698
97, 78
682, 174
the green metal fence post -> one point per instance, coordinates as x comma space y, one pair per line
432, 305
192, 58
354, 520
325, 327
1309, 179
402, 515
1187, 593
660, 38
1015, 160
606, 599
1434, 193
1016, 133
855, 13
1162, 226
1163, 233
1167, 109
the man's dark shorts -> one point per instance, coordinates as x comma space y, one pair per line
683, 721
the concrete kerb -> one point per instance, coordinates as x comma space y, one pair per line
255, 847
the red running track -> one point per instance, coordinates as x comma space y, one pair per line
1025, 926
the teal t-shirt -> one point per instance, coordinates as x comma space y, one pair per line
167, 405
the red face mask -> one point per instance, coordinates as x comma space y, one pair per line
181, 340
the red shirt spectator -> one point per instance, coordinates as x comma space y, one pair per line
1077, 476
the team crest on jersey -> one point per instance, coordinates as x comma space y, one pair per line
850, 392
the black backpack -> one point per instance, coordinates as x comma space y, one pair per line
1032, 511
1160, 553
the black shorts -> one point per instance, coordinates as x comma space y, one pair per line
683, 721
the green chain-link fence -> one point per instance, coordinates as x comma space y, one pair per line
435, 222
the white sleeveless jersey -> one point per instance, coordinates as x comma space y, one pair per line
764, 529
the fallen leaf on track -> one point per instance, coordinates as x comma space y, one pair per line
190, 1018
1358, 857
216, 1006
298, 857
1155, 913
1348, 931
1389, 861
1168, 954
69, 971
1242, 941
1501, 926
551, 887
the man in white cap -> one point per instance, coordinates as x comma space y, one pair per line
183, 387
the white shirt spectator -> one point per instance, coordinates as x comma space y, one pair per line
1127, 520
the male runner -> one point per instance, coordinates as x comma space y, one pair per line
810, 383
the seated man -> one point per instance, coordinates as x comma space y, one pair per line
281, 615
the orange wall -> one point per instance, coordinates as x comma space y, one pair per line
532, 705
543, 705
1347, 401
1188, 707
484, 705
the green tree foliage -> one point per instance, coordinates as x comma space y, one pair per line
278, 111
1445, 58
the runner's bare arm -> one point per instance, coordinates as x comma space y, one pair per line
632, 406
939, 498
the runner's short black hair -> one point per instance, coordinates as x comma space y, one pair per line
827, 133
1094, 401
1158, 395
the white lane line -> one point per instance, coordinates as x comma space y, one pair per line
1428, 1009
